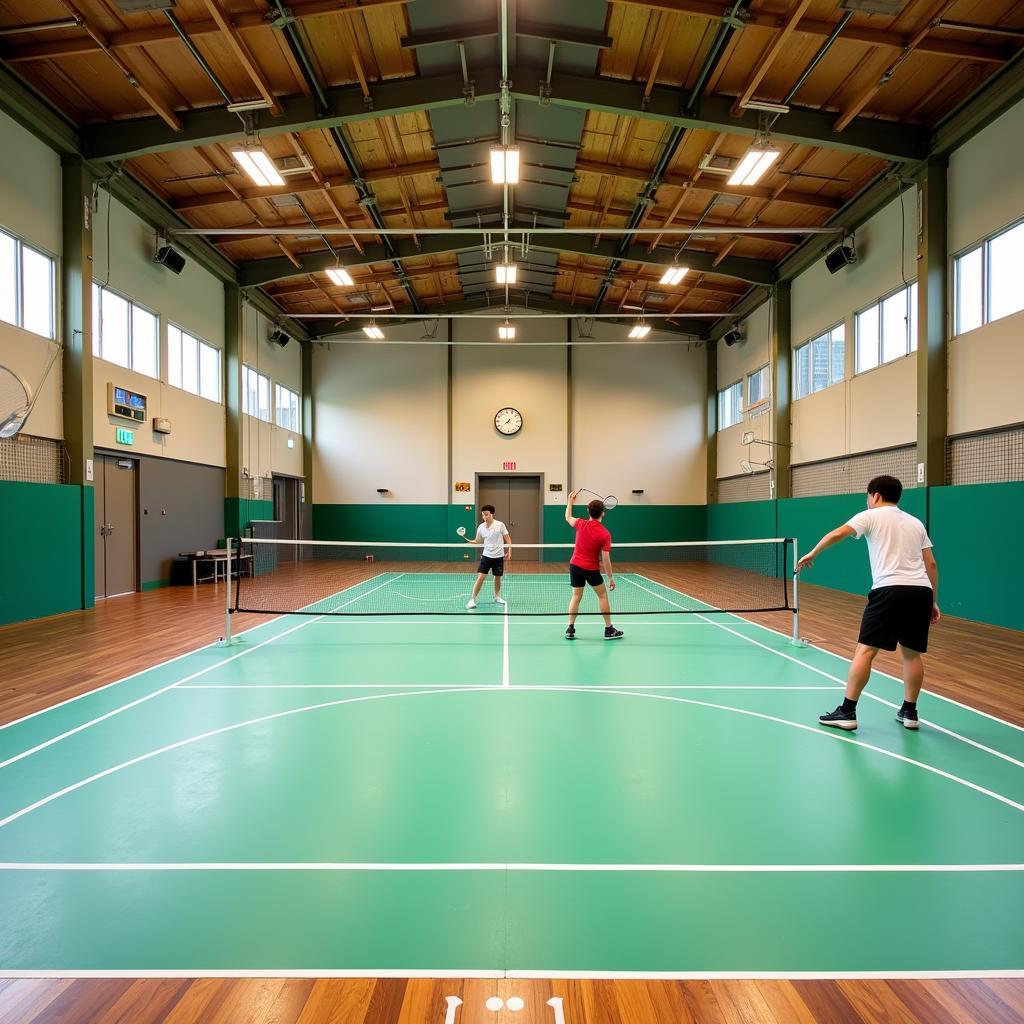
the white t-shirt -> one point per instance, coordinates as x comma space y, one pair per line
494, 544
895, 542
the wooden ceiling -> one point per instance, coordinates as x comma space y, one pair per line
103, 66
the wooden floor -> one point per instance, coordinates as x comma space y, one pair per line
50, 660
423, 1001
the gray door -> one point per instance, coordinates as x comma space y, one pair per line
516, 501
116, 526
286, 512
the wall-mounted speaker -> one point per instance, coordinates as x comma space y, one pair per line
170, 258
278, 337
733, 336
841, 256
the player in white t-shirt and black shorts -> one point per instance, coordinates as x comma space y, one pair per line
902, 601
491, 533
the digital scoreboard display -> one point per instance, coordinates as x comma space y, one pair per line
129, 405
122, 396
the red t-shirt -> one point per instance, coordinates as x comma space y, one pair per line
591, 539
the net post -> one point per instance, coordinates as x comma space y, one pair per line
796, 641
227, 640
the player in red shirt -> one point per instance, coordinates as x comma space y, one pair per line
593, 542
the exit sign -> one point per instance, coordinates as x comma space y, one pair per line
125, 436
508, 465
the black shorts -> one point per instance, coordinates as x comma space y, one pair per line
580, 577
897, 615
488, 564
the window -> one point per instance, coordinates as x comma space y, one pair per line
192, 365
286, 405
255, 394
758, 388
820, 362
730, 405
27, 288
987, 280
125, 333
888, 329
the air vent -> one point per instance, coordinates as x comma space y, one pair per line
728, 199
890, 8
282, 201
135, 6
655, 296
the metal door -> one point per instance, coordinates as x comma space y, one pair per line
516, 501
100, 526
116, 526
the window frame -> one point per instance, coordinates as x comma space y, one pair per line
808, 344
739, 408
985, 245
198, 393
766, 398
20, 244
245, 391
910, 319
278, 388
97, 342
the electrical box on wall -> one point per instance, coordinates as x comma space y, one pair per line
161, 425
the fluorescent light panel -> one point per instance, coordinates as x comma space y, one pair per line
373, 331
754, 165
506, 273
640, 330
261, 170
505, 165
506, 332
340, 276
673, 275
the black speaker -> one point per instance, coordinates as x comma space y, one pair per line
170, 258
841, 256
278, 337
733, 336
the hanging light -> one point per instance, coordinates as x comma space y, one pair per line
506, 272
640, 330
505, 165
506, 332
755, 164
371, 330
674, 274
340, 276
261, 170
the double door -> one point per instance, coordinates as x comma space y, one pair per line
516, 501
115, 493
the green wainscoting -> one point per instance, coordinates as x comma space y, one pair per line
240, 512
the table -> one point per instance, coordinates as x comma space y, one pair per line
219, 557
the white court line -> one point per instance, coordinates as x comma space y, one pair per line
620, 692
525, 867
504, 652
478, 686
171, 686
828, 675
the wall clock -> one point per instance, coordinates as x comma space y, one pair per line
508, 421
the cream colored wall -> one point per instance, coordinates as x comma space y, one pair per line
265, 448
986, 370
30, 206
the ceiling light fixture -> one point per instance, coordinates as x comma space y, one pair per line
506, 332
262, 171
640, 330
674, 274
340, 276
506, 272
371, 330
505, 165
755, 164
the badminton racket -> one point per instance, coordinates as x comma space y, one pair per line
610, 501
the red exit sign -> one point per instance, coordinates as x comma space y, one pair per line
508, 465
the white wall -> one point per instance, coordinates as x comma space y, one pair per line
986, 193
30, 206
381, 415
734, 363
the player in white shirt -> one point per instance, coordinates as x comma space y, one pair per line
497, 544
902, 602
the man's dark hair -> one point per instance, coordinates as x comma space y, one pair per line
487, 508
596, 508
888, 487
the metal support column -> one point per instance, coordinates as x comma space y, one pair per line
711, 348
932, 334
782, 377
235, 518
308, 416
76, 334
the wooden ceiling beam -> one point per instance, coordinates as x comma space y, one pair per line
242, 54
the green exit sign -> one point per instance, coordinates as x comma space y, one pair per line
125, 436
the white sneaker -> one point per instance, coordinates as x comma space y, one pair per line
471, 603
500, 600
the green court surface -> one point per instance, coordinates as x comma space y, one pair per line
475, 795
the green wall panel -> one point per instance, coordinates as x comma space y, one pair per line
239, 512
979, 581
633, 524
741, 520
42, 550
87, 580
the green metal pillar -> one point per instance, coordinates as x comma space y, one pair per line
932, 333
711, 348
307, 422
76, 332
782, 377
235, 492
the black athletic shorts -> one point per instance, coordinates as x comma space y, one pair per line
488, 564
580, 577
897, 615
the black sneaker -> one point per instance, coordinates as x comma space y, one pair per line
611, 633
840, 719
907, 717
570, 633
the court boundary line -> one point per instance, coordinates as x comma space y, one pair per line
480, 686
621, 691
828, 675
195, 675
